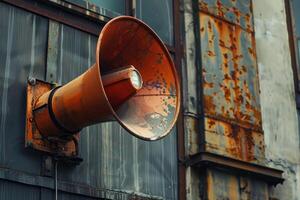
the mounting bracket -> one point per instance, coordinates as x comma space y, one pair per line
64, 148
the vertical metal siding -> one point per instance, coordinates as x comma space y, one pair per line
14, 191
23, 40
113, 159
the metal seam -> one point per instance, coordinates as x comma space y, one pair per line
52, 115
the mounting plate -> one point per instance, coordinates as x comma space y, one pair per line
62, 148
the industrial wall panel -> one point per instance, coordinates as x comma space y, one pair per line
238, 12
230, 140
113, 159
229, 76
229, 89
16, 191
23, 45
161, 20
223, 185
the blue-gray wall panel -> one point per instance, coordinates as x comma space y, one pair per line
15, 191
23, 40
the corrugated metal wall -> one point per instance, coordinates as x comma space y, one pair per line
113, 159
23, 42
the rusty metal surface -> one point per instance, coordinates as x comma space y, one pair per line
229, 72
234, 141
222, 185
232, 116
237, 12
33, 134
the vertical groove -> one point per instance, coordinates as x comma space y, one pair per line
6, 82
33, 37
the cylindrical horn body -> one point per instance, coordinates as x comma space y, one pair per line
77, 104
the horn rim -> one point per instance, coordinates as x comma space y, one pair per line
173, 68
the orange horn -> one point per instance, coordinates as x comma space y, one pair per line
133, 80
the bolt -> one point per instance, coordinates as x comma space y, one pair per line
31, 81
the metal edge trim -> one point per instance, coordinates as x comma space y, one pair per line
211, 160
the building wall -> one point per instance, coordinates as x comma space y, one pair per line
278, 109
115, 164
279, 114
146, 173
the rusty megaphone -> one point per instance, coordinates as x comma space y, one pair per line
133, 80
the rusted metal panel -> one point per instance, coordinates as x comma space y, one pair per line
233, 135
230, 90
237, 12
222, 185
234, 141
229, 70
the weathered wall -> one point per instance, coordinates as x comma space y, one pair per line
279, 114
28, 47
190, 101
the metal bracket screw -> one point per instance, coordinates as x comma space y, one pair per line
31, 81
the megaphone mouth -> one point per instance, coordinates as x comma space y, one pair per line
127, 41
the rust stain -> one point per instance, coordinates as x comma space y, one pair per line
203, 6
220, 9
209, 104
230, 11
211, 53
207, 84
232, 140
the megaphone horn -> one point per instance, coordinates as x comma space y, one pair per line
133, 80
